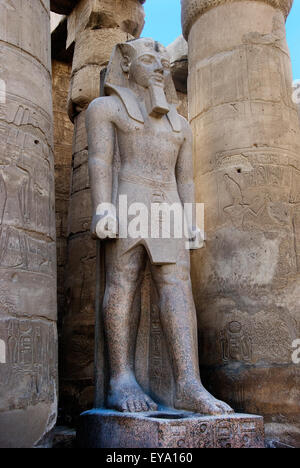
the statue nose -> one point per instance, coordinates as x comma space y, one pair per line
159, 68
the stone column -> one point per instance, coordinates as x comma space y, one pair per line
63, 135
178, 52
94, 27
28, 385
247, 172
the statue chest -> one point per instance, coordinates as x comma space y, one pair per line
155, 139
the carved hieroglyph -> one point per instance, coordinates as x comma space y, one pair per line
247, 172
27, 226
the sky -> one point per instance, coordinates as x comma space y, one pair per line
163, 23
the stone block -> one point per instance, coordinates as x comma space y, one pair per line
80, 143
84, 88
93, 47
168, 429
105, 14
80, 214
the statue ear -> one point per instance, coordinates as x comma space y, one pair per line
118, 67
125, 64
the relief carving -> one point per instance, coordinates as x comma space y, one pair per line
236, 343
30, 367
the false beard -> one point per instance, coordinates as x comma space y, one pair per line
159, 103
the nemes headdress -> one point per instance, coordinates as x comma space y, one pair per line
115, 77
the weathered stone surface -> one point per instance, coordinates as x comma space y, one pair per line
246, 151
178, 52
63, 136
94, 27
168, 429
17, 423
27, 227
192, 9
65, 7
30, 363
64, 437
93, 47
106, 14
84, 87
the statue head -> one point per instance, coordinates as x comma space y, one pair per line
143, 62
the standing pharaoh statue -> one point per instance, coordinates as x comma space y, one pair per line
155, 146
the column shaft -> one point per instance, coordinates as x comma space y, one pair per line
28, 385
247, 172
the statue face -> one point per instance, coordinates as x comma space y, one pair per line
150, 68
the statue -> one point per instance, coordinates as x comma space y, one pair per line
139, 115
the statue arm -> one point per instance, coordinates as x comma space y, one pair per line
184, 168
101, 143
186, 187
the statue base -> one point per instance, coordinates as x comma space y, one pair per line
168, 428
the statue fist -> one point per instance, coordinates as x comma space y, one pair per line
196, 240
105, 226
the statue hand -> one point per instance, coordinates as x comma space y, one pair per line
197, 240
104, 226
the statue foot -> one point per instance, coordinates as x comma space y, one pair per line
193, 397
126, 395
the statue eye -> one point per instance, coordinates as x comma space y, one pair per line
147, 60
166, 65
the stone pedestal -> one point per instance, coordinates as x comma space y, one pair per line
168, 429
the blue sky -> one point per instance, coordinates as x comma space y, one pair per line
163, 24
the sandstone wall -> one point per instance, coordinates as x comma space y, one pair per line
28, 371
247, 172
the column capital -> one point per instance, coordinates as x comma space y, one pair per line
65, 7
192, 9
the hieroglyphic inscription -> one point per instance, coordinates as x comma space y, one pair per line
236, 344
230, 433
26, 186
29, 370
156, 358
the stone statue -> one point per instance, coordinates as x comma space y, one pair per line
155, 146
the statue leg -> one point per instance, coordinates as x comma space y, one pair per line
179, 322
123, 275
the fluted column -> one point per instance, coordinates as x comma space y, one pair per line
94, 27
247, 172
28, 384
